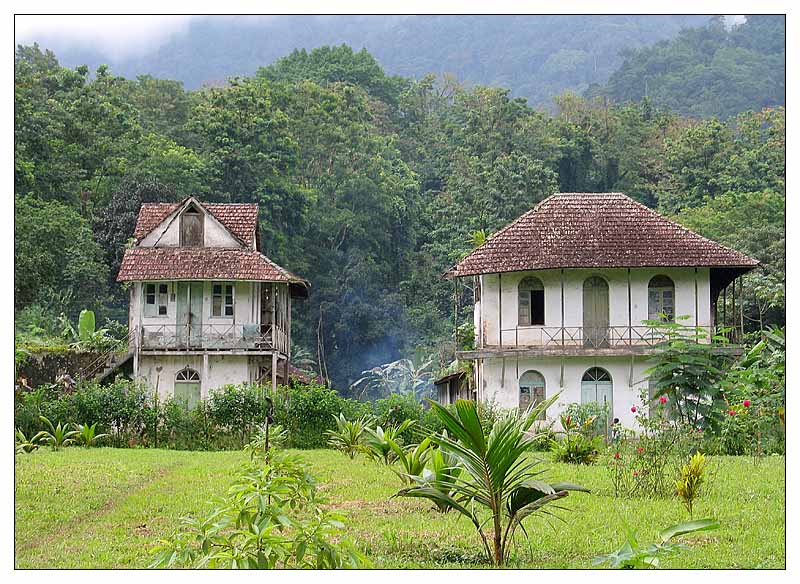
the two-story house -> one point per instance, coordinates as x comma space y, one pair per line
561, 295
207, 308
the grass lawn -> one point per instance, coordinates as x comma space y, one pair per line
104, 507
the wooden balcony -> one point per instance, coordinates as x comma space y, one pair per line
589, 341
234, 338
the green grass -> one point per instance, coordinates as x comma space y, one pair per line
104, 508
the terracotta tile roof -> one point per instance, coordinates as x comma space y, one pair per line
204, 263
588, 230
239, 218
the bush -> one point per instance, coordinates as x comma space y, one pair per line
575, 448
396, 409
238, 410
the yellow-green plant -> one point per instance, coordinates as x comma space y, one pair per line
690, 482
348, 434
56, 436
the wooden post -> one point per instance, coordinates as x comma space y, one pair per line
274, 371
500, 308
741, 309
696, 310
630, 316
733, 311
562, 319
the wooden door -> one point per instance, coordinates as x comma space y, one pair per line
189, 326
597, 386
187, 393
595, 312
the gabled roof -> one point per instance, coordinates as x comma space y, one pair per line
595, 230
240, 219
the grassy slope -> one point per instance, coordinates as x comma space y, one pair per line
104, 508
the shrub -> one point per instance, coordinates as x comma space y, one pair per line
396, 409
291, 531
237, 409
575, 448
690, 481
348, 434
380, 444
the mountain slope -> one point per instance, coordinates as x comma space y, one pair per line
537, 56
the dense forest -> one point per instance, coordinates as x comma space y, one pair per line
537, 57
708, 71
369, 185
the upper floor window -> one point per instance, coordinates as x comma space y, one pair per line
192, 228
222, 299
661, 299
531, 302
155, 299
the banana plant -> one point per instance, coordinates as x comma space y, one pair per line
412, 459
22, 444
377, 442
498, 474
348, 434
56, 436
87, 435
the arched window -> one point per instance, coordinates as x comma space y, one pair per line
531, 391
531, 302
187, 387
661, 299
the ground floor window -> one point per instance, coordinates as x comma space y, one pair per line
187, 387
531, 391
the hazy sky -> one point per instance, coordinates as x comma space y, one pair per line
114, 35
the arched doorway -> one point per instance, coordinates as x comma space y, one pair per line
187, 387
595, 312
531, 391
597, 386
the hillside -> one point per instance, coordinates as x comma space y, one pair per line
537, 56
708, 71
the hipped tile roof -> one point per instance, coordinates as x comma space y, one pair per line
239, 218
595, 230
204, 263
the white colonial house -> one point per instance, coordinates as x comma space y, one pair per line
207, 308
562, 293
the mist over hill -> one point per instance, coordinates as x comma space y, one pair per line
535, 56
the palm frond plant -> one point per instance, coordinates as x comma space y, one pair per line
22, 444
87, 435
377, 442
498, 476
348, 434
412, 459
55, 436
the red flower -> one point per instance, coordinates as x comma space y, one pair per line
732, 412
569, 420
663, 399
633, 409
616, 456
636, 473
746, 403
640, 450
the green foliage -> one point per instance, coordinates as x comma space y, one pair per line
440, 474
238, 409
87, 435
709, 71
576, 448
688, 371
86, 325
380, 444
271, 517
412, 459
23, 444
633, 555
348, 434
690, 482
496, 474
56, 436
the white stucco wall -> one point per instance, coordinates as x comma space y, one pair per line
628, 379
221, 370
488, 315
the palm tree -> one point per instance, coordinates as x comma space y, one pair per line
497, 473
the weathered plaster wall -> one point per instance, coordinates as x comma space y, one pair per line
488, 312
628, 378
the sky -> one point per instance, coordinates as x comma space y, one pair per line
117, 36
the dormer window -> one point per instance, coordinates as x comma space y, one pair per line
192, 227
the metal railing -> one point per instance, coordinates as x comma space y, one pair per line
252, 337
602, 337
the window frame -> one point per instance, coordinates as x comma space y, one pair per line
223, 295
525, 292
160, 297
534, 388
659, 289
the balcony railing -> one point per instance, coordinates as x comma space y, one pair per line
602, 337
246, 337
